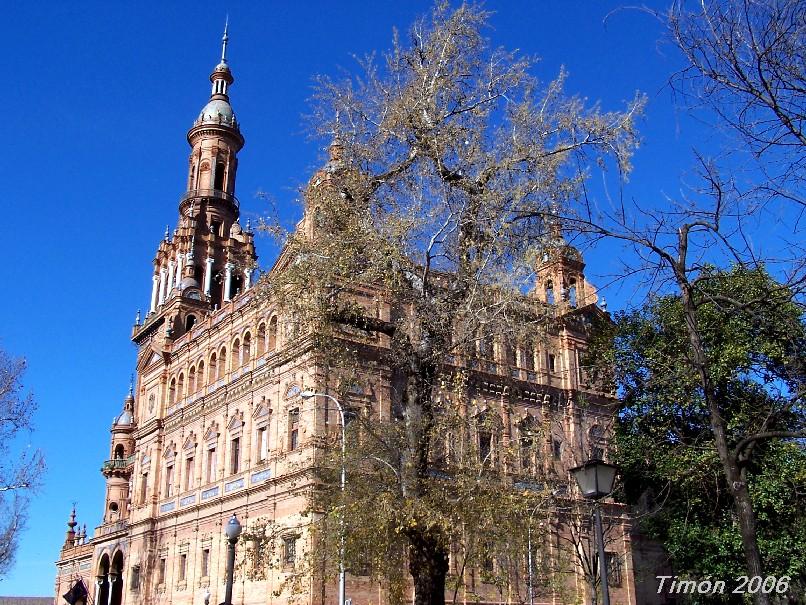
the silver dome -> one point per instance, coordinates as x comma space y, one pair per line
217, 111
125, 419
188, 282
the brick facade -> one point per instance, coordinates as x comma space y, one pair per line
214, 424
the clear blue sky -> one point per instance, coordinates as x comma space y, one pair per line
98, 98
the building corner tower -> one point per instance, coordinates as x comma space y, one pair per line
208, 258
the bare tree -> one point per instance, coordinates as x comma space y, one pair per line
675, 249
409, 237
19, 474
747, 61
573, 527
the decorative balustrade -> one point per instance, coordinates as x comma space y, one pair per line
210, 193
111, 528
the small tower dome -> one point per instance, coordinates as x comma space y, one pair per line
126, 419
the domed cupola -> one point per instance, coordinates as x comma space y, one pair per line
119, 467
218, 110
125, 420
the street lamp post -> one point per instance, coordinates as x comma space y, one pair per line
232, 531
595, 479
310, 395
529, 553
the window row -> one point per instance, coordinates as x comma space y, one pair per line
534, 445
214, 368
525, 356
183, 472
288, 558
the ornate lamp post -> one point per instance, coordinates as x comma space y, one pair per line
595, 479
310, 395
232, 531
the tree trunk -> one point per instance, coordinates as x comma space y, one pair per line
428, 559
428, 565
738, 488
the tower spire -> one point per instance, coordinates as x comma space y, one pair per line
224, 41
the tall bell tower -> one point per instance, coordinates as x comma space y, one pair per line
560, 274
208, 258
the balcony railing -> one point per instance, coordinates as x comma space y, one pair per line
210, 193
117, 463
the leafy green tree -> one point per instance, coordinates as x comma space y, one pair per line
754, 341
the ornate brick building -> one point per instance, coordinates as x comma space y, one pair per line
214, 424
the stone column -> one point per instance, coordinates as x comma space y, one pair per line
179, 258
208, 276
155, 284
228, 282
163, 275
171, 278
111, 582
247, 278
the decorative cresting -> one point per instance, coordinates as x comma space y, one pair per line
208, 259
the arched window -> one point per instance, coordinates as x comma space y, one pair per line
172, 392
236, 354
318, 219
528, 433
261, 340
597, 442
120, 452
509, 353
527, 356
200, 380
220, 173
486, 346
222, 362
550, 292
180, 387
572, 293
246, 354
484, 436
192, 380
273, 333
103, 574
117, 586
212, 373
190, 321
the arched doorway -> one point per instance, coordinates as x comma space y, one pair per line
102, 581
116, 579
